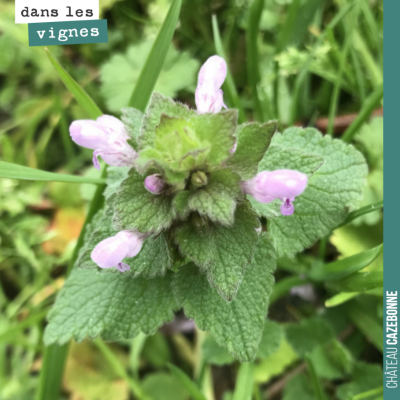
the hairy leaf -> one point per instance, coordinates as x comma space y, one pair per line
112, 306
222, 252
132, 119
217, 199
333, 191
135, 208
253, 140
237, 325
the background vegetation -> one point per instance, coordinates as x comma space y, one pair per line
307, 62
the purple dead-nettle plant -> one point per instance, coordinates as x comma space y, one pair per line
198, 208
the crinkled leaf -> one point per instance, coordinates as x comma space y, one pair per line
181, 204
237, 325
112, 306
222, 252
132, 120
332, 191
120, 73
217, 199
253, 140
153, 259
115, 175
135, 208
160, 105
308, 334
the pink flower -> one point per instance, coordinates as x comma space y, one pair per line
107, 137
110, 252
283, 184
154, 184
209, 96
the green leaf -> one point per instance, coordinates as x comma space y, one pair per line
83, 99
365, 377
344, 267
237, 325
119, 75
15, 171
153, 259
135, 208
271, 339
244, 382
308, 334
112, 306
155, 60
253, 140
359, 282
315, 381
160, 105
132, 119
333, 191
333, 360
298, 388
186, 382
163, 386
115, 176
222, 252
181, 204
217, 199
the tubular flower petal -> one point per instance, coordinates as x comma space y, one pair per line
110, 252
154, 184
209, 96
283, 184
107, 137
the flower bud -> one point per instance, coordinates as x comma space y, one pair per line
283, 184
107, 137
209, 96
110, 252
199, 179
154, 184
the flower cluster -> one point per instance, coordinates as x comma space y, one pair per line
108, 137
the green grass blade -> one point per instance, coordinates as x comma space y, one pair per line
316, 383
155, 60
372, 101
283, 287
186, 382
229, 85
340, 298
359, 282
369, 394
120, 370
347, 266
83, 99
253, 72
51, 372
362, 211
369, 325
15, 171
244, 382
55, 356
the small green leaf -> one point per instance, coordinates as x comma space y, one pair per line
333, 190
344, 267
181, 204
132, 119
271, 339
217, 199
253, 140
160, 105
155, 60
215, 354
308, 334
83, 99
15, 171
298, 388
237, 325
222, 252
135, 208
112, 306
115, 176
163, 386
